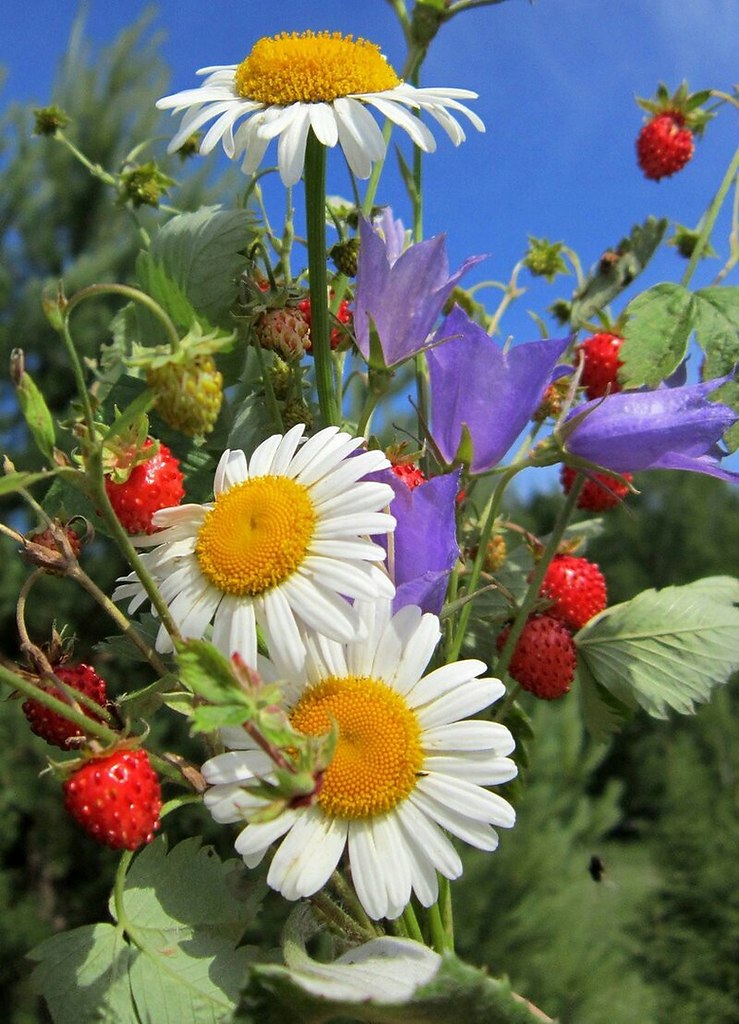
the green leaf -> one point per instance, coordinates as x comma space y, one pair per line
36, 413
603, 714
13, 482
717, 329
155, 281
208, 673
665, 648
660, 322
83, 976
611, 276
202, 253
314, 993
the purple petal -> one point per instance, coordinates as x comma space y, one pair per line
667, 428
402, 298
424, 540
494, 393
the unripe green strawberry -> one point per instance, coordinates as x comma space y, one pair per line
116, 799
189, 392
345, 255
600, 491
577, 587
55, 728
544, 658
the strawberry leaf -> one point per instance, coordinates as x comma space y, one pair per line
665, 648
717, 329
660, 322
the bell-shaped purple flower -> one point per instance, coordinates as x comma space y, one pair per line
424, 542
492, 392
400, 293
667, 428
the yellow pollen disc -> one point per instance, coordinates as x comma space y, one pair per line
256, 535
312, 67
378, 752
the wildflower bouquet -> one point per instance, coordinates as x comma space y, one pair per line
301, 455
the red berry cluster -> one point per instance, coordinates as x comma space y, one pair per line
599, 492
343, 315
544, 658
600, 364
409, 473
116, 796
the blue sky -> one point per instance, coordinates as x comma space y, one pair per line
556, 80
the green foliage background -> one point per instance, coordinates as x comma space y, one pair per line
656, 938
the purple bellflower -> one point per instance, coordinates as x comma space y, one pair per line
477, 385
401, 293
424, 543
667, 428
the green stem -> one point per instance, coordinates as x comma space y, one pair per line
269, 391
439, 937
445, 906
350, 898
711, 215
374, 180
127, 292
339, 918
411, 924
315, 215
489, 518
79, 718
532, 593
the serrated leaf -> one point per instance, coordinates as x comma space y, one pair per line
83, 976
202, 253
660, 322
603, 284
717, 329
185, 912
209, 717
603, 714
207, 672
252, 423
155, 281
665, 648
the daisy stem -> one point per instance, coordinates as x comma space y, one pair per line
439, 936
339, 918
349, 897
532, 594
447, 912
411, 924
315, 216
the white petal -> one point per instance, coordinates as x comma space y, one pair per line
321, 609
260, 464
323, 123
483, 769
475, 833
291, 148
366, 874
234, 629
236, 766
468, 799
228, 804
361, 497
417, 130
465, 700
297, 850
430, 840
287, 449
256, 839
394, 863
469, 735
355, 523
281, 628
349, 580
327, 848
231, 469
361, 127
192, 124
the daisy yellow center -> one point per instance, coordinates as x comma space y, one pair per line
312, 67
378, 752
256, 535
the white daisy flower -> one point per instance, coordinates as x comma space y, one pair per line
407, 767
283, 542
291, 83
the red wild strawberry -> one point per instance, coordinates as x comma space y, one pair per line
411, 475
54, 728
600, 364
664, 145
151, 485
343, 315
577, 588
544, 658
116, 799
599, 492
